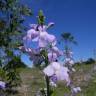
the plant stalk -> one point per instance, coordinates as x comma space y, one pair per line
48, 86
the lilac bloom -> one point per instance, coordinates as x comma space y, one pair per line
30, 51
69, 61
76, 90
2, 85
51, 39
62, 74
56, 50
68, 54
34, 26
56, 66
50, 24
53, 53
53, 81
45, 27
51, 68
33, 53
49, 71
42, 37
52, 56
31, 34
42, 40
41, 28
38, 34
53, 78
59, 71
45, 39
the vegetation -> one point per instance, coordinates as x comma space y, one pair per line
12, 14
85, 77
21, 80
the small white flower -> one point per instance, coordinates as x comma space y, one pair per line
53, 84
76, 89
73, 70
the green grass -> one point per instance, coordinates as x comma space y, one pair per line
85, 77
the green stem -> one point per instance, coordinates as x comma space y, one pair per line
48, 86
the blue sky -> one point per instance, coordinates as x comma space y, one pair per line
75, 16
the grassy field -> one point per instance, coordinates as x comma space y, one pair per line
85, 77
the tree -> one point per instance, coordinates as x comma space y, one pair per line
68, 38
90, 61
12, 14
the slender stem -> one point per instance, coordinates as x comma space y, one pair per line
48, 86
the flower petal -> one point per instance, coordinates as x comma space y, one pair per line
2, 84
56, 66
52, 56
51, 39
49, 71
57, 51
62, 74
32, 34
42, 28
50, 24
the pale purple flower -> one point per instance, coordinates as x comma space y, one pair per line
55, 71
41, 36
52, 56
76, 90
30, 51
69, 61
50, 24
41, 28
68, 53
31, 34
2, 85
54, 53
49, 71
56, 50
58, 70
42, 40
51, 39
34, 54
53, 78
45, 39
51, 68
56, 65
62, 74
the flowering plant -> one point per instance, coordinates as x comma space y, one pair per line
45, 53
